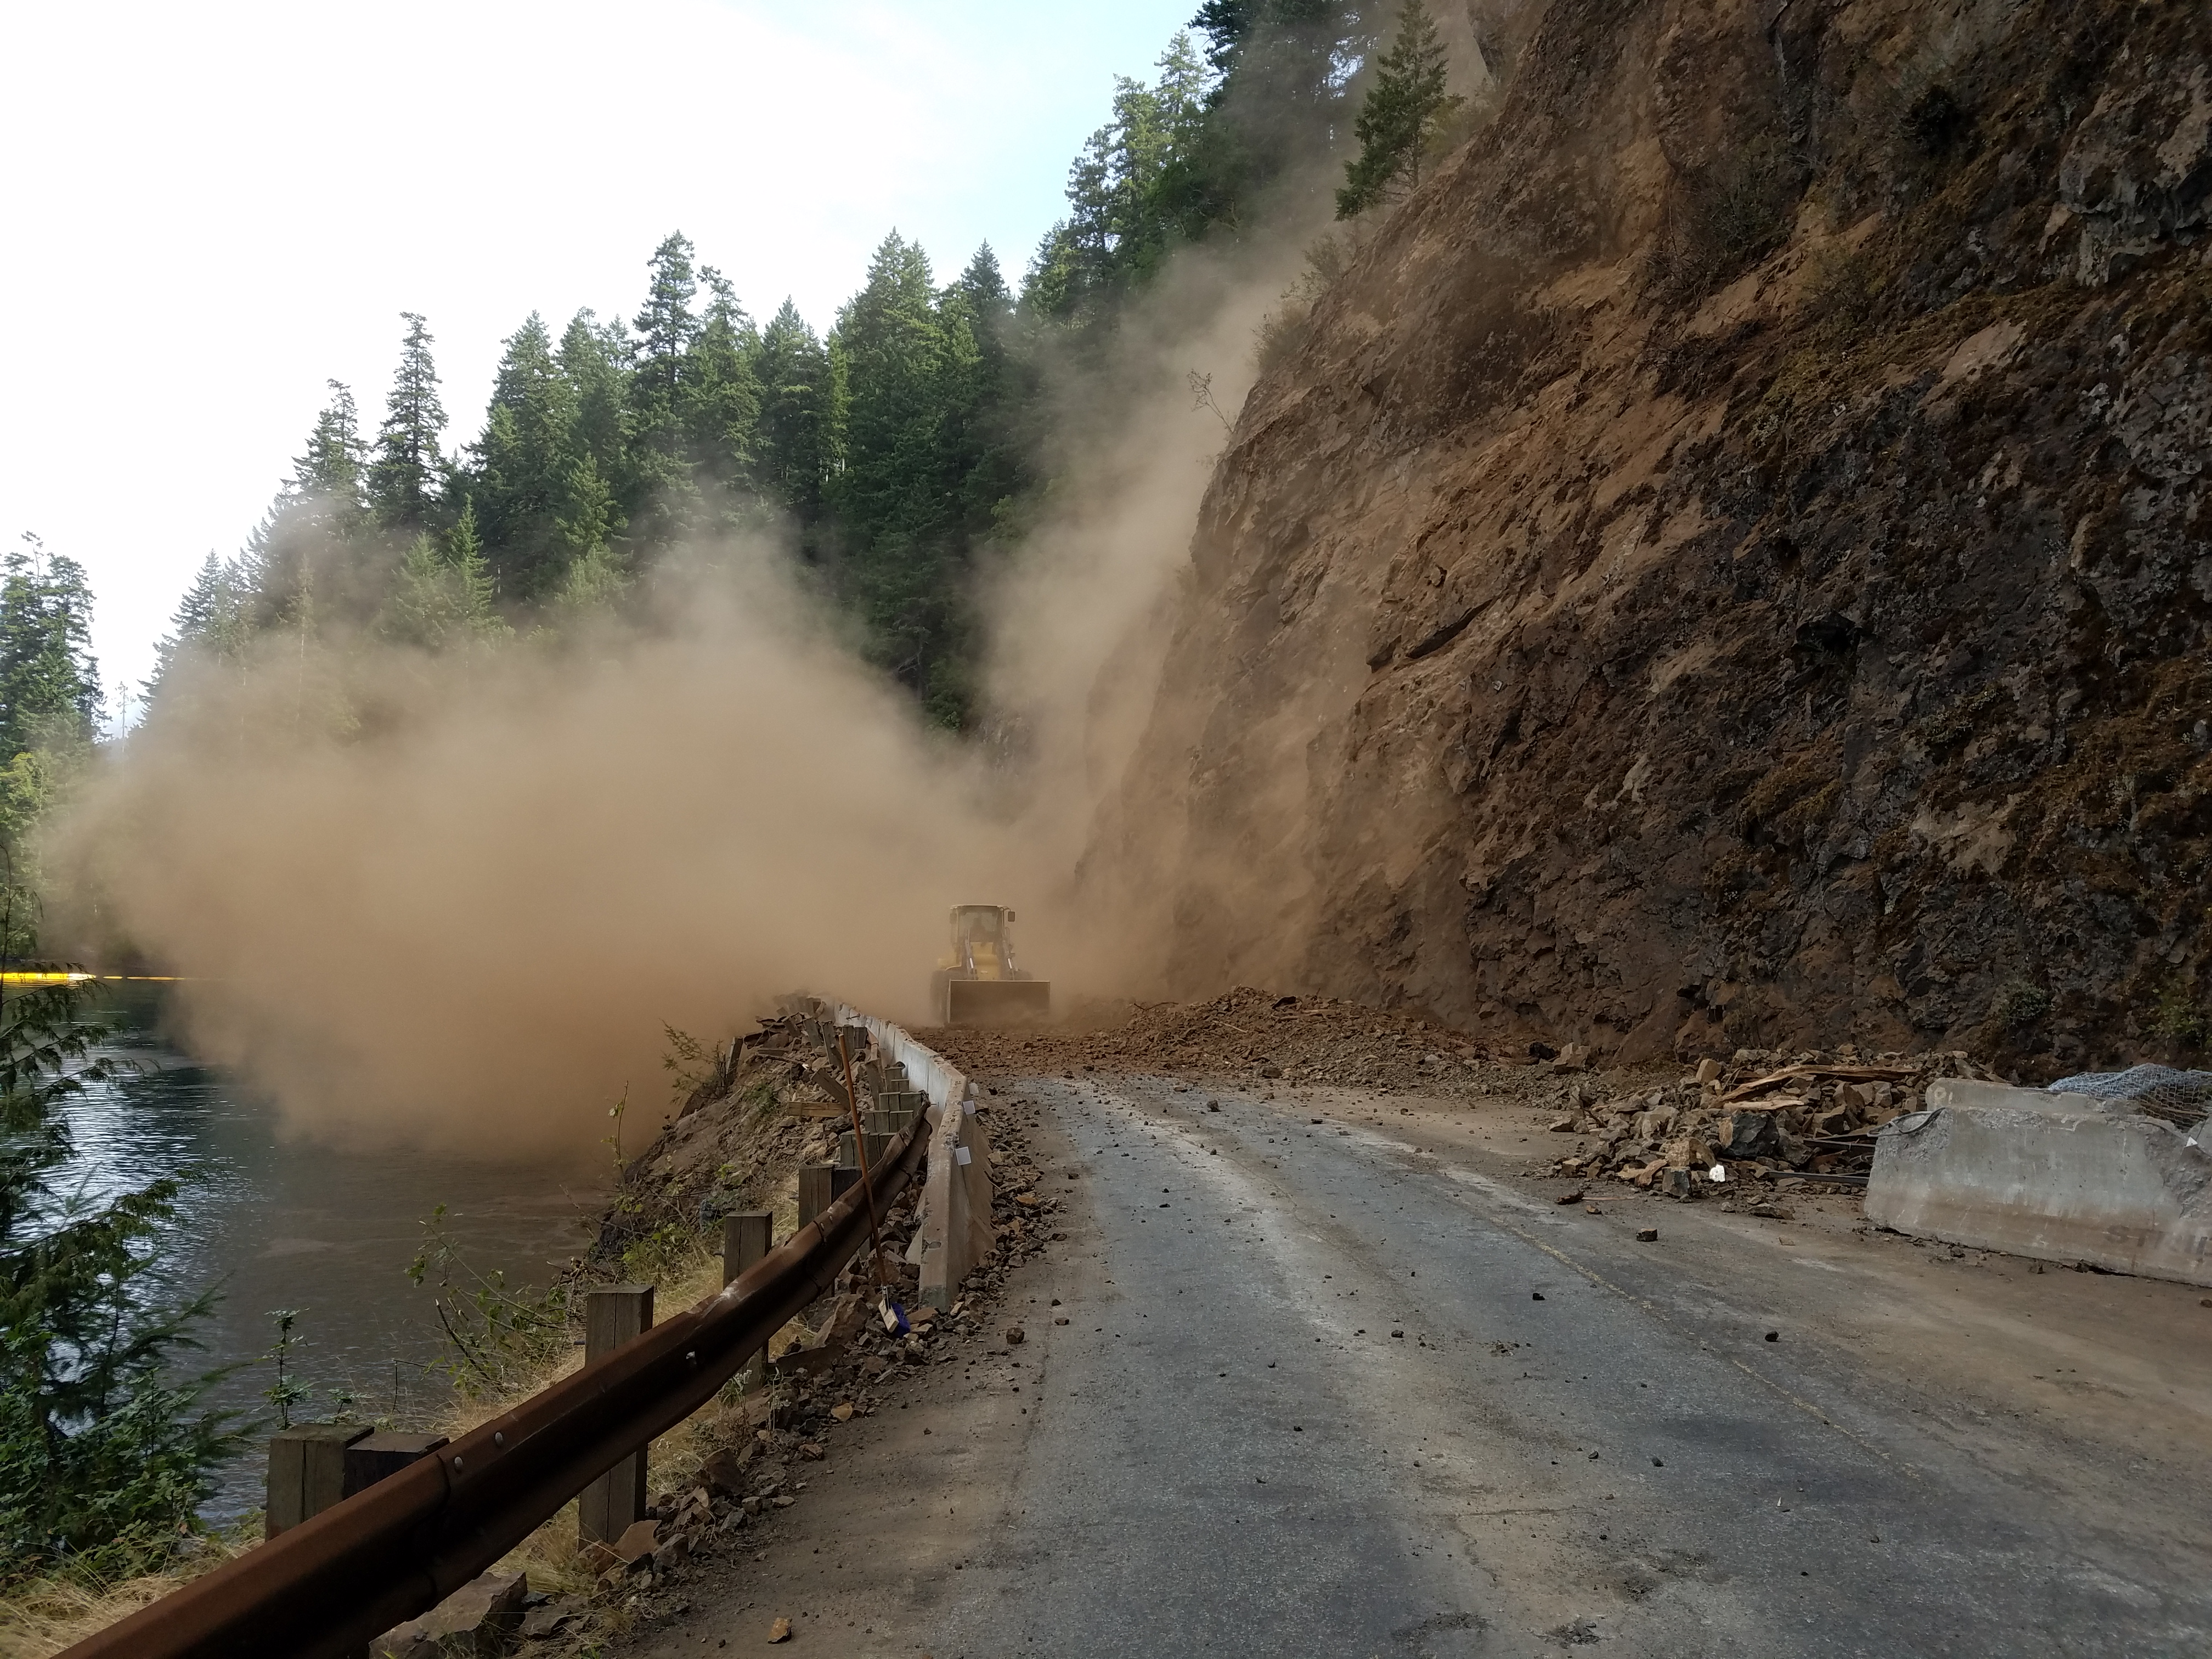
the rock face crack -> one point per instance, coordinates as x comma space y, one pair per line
1440, 636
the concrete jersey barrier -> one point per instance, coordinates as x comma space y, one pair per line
956, 1231
2063, 1177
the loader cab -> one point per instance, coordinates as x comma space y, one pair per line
981, 944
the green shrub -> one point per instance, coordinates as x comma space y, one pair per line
105, 1456
2019, 1002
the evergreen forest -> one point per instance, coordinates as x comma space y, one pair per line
899, 450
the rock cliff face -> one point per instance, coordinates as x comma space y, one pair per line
1730, 562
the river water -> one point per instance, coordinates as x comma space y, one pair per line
274, 1221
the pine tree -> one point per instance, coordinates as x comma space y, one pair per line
1401, 115
50, 696
985, 286
1137, 191
442, 595
793, 370
473, 577
991, 439
403, 479
665, 323
896, 349
914, 370
330, 476
589, 519
522, 461
720, 392
664, 337
596, 359
209, 620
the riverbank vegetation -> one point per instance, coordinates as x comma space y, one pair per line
106, 1448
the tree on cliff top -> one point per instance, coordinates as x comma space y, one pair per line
403, 483
1401, 115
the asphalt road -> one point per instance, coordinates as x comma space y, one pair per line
1325, 1390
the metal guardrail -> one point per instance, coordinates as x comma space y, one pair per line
325, 1589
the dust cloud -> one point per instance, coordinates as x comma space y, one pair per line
451, 901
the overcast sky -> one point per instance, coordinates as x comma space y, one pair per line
212, 210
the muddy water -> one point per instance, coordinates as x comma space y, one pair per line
279, 1222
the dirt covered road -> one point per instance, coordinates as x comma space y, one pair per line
1340, 1376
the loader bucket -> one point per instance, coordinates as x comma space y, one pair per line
999, 1001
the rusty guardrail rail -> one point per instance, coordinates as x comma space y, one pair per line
325, 1589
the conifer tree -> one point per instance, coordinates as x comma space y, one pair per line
403, 479
991, 446
665, 330
473, 577
442, 595
596, 359
331, 473
720, 393
522, 463
317, 516
896, 349
589, 518
1137, 190
49, 695
209, 620
793, 370
915, 380
1404, 109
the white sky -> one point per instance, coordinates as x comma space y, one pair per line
211, 210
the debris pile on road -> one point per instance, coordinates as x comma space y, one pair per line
1760, 1115
1248, 1035
1021, 1206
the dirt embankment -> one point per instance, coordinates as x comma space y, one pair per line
1727, 566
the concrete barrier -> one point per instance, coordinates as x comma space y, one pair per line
2061, 1177
956, 1231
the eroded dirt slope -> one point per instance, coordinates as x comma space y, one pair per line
1727, 565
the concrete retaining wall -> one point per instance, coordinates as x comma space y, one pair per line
2063, 1177
956, 1231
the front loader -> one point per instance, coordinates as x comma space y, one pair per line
979, 984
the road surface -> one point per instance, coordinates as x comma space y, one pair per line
1359, 1387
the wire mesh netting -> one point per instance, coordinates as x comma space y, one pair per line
2161, 1091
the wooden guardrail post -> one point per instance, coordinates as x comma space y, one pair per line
374, 1456
613, 1315
746, 1238
306, 1472
814, 1191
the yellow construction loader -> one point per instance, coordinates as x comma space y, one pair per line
979, 984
